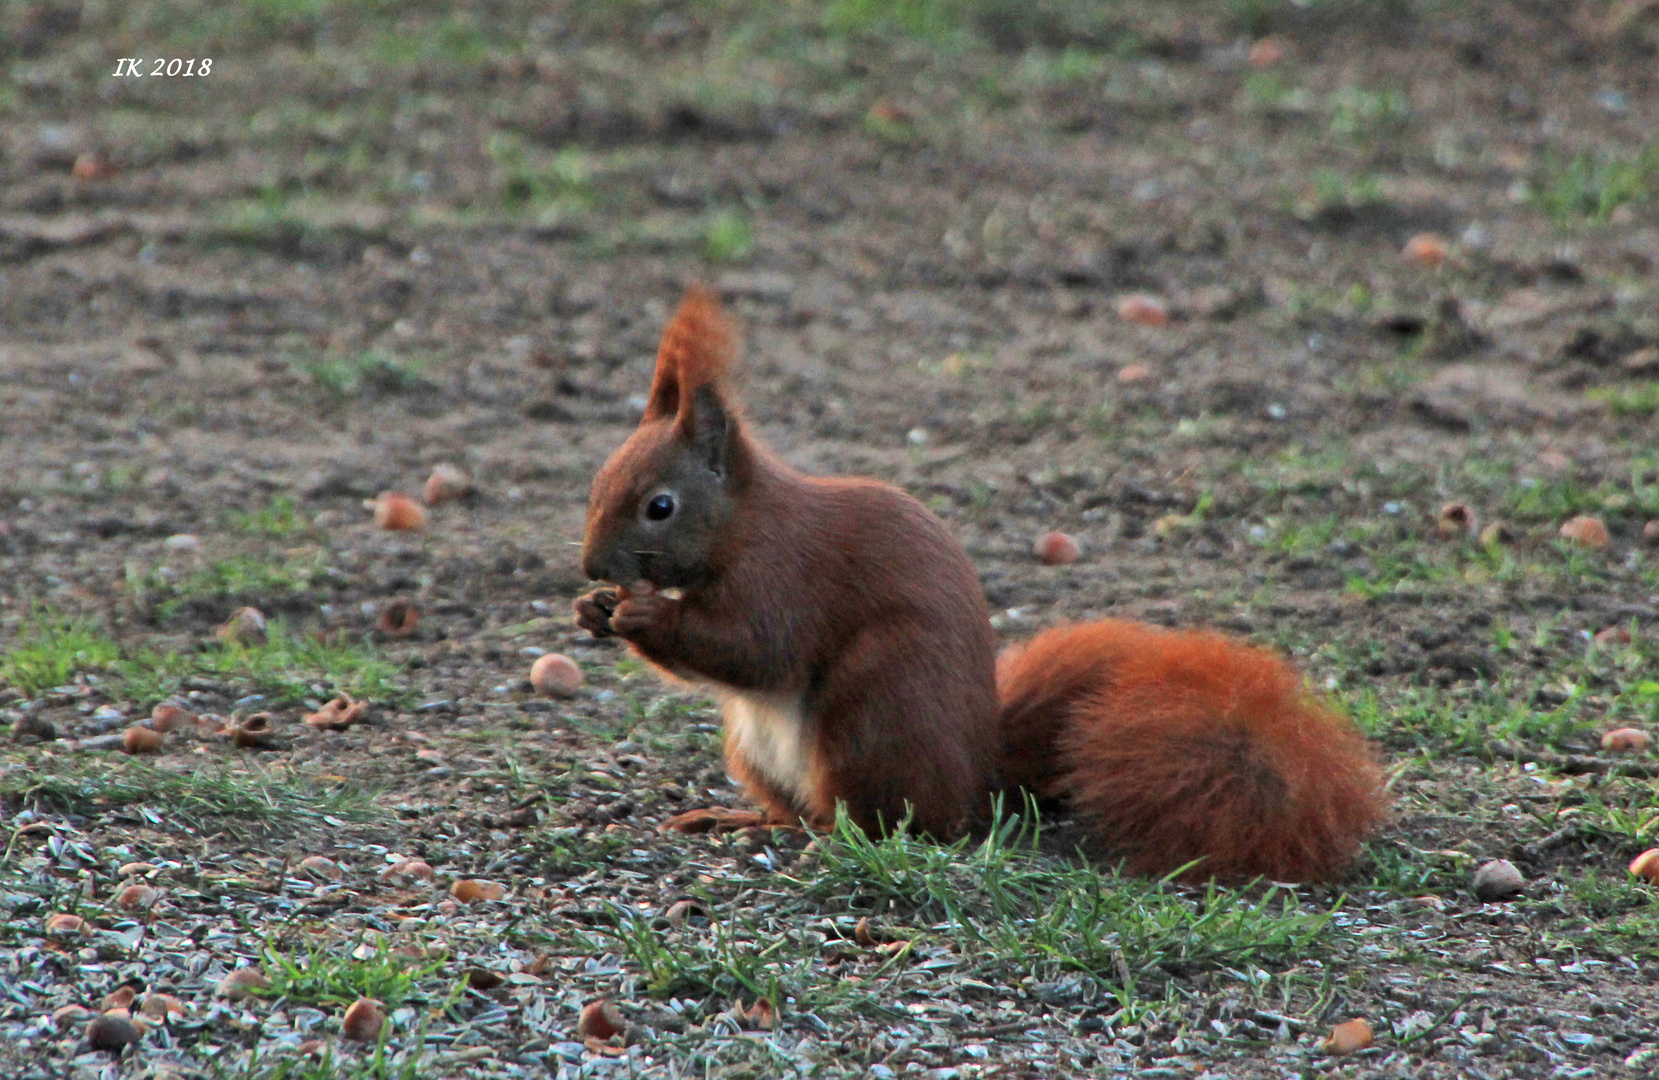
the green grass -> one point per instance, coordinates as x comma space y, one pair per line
370, 371
728, 237
290, 666
732, 958
383, 1063
999, 911
278, 518
52, 648
1588, 187
204, 798
553, 186
1331, 191
240, 578
1011, 911
1638, 400
1359, 112
331, 973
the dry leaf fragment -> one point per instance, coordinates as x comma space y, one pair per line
1626, 740
245, 627
1613, 635
1497, 533
64, 924
141, 740
397, 513
337, 715
363, 1021
121, 997
681, 910
762, 1015
407, 869
555, 675
862, 934
480, 978
1133, 373
399, 619
447, 482
242, 983
600, 1020
1587, 531
1457, 522
137, 897
70, 1015
254, 732
470, 890
1348, 1037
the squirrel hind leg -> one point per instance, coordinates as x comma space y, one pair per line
1208, 749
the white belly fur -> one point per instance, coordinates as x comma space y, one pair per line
770, 732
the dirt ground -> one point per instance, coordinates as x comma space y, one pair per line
376, 238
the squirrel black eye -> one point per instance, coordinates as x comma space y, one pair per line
659, 508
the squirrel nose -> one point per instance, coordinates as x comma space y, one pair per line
607, 564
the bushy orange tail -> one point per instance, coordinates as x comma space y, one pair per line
1184, 745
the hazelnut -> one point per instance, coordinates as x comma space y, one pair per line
446, 483
600, 1020
468, 890
142, 740
1348, 1037
1587, 531
1056, 549
1426, 249
1143, 310
364, 1021
398, 513
1626, 740
555, 675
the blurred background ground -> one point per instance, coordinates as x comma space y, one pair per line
1239, 292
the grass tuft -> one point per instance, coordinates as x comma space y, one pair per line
51, 649
215, 799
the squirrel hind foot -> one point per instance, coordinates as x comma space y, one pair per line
721, 819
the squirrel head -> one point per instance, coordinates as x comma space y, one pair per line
665, 501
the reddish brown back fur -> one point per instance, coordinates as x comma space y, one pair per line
1189, 745
697, 349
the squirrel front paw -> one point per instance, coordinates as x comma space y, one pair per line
594, 612
640, 607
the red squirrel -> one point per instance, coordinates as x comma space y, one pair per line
843, 630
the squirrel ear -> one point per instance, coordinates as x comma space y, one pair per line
696, 351
707, 425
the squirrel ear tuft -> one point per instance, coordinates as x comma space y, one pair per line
697, 349
709, 429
